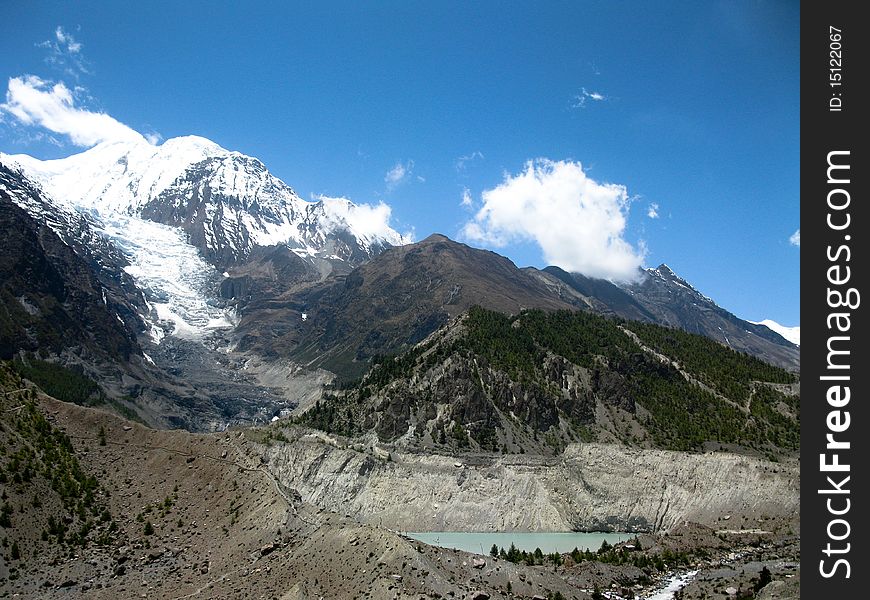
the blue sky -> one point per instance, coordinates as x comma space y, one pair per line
683, 115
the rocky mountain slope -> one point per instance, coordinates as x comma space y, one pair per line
398, 298
387, 304
63, 287
540, 380
661, 296
589, 487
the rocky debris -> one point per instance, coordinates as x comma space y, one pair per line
155, 555
216, 531
268, 549
788, 589
222, 516
590, 487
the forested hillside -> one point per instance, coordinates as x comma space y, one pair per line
539, 380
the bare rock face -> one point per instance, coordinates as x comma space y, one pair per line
62, 286
661, 296
591, 487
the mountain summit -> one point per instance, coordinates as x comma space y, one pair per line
227, 202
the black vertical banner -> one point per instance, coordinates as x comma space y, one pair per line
835, 371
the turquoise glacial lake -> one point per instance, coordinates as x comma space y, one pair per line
548, 542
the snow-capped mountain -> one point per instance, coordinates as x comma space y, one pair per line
227, 202
792, 334
192, 266
184, 212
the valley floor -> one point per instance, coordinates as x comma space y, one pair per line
223, 525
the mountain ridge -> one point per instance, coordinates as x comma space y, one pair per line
220, 263
396, 299
538, 381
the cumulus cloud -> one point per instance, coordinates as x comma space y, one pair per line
65, 53
366, 221
581, 99
652, 210
35, 102
795, 239
577, 222
398, 174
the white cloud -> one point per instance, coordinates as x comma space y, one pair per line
795, 239
33, 101
395, 174
398, 174
652, 210
585, 95
577, 222
65, 39
467, 201
461, 163
65, 53
364, 220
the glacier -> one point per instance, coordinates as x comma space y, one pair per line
125, 187
178, 283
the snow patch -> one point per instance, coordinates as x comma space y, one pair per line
673, 585
792, 334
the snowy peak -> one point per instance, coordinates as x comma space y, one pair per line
666, 278
792, 334
665, 273
225, 201
117, 176
665, 270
